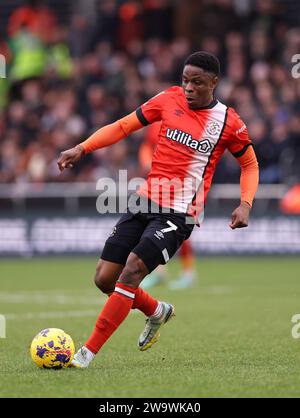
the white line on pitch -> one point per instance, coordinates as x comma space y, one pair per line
49, 315
55, 315
57, 297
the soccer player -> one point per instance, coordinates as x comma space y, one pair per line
196, 130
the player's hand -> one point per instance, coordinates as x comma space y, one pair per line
240, 216
69, 157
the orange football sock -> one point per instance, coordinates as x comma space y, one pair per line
144, 302
112, 315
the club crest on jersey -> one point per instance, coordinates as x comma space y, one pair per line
213, 128
186, 139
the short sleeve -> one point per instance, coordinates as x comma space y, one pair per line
239, 140
151, 111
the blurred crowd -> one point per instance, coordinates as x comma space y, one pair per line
66, 77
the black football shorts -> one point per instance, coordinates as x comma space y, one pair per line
153, 237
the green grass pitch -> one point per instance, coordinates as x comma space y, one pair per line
231, 336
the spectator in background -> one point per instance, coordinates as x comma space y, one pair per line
29, 56
36, 18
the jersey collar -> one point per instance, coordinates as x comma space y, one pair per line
210, 106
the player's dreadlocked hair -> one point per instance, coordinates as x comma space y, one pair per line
204, 60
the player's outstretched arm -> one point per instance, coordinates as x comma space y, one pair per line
104, 137
248, 183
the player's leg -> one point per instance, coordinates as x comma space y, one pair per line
114, 311
159, 242
146, 256
187, 259
124, 237
119, 303
107, 274
122, 297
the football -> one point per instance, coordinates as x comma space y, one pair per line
52, 348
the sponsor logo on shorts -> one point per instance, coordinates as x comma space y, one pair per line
159, 235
